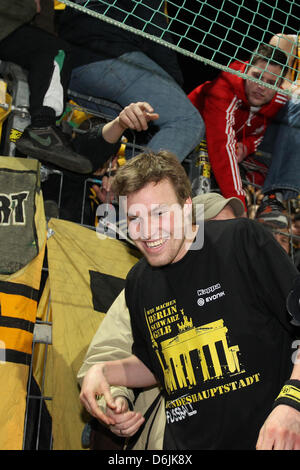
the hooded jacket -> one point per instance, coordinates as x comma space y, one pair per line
230, 119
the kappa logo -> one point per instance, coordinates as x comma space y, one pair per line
205, 298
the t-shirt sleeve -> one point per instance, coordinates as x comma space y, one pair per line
139, 345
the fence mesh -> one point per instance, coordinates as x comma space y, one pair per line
215, 32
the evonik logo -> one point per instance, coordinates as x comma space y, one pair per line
205, 298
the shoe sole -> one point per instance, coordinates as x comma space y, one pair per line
84, 167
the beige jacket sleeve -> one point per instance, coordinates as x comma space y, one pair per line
113, 340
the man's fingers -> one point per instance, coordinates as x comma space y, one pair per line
92, 407
137, 118
129, 426
144, 106
281, 430
121, 405
265, 440
130, 431
297, 444
152, 116
148, 112
137, 115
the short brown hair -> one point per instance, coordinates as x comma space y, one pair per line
271, 55
151, 167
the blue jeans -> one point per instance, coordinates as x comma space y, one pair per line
282, 141
135, 77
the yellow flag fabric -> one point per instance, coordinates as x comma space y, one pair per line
59, 5
86, 271
41, 350
22, 216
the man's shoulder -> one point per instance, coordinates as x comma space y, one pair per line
236, 229
238, 223
137, 270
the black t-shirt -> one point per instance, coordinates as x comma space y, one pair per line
214, 329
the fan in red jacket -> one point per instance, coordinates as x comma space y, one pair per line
236, 113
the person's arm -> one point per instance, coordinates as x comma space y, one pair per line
102, 143
273, 278
218, 109
281, 430
135, 116
113, 340
129, 372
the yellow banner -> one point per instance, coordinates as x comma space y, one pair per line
18, 291
86, 272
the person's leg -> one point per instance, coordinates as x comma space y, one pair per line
47, 60
135, 77
282, 142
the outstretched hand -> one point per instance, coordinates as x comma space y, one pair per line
127, 422
117, 416
94, 385
136, 116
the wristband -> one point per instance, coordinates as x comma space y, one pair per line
289, 394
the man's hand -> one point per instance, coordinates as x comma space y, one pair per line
117, 416
241, 152
281, 430
136, 116
95, 384
127, 422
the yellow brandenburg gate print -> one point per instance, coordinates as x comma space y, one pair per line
178, 368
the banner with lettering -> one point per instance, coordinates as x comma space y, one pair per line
22, 246
87, 272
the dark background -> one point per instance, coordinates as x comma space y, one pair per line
246, 31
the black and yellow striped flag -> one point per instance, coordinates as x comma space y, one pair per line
22, 246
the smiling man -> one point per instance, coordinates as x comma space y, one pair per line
158, 228
209, 325
237, 113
